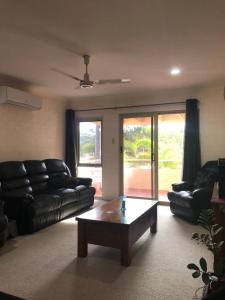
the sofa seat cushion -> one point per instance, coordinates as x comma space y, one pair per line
66, 195
182, 198
44, 203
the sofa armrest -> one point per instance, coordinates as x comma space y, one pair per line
65, 181
202, 198
15, 207
83, 181
182, 186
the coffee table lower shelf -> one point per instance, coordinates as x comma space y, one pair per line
116, 235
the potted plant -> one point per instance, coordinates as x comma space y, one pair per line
211, 239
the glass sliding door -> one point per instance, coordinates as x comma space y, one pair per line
90, 152
152, 154
170, 151
137, 156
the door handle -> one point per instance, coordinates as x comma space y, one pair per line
153, 157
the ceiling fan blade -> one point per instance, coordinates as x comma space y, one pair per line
66, 74
112, 81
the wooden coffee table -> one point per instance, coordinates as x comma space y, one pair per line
108, 226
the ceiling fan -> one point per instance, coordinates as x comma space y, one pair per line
86, 82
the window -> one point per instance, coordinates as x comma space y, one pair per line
90, 152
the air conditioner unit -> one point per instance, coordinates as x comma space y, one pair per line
17, 97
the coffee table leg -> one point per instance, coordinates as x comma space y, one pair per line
125, 256
153, 228
125, 250
82, 240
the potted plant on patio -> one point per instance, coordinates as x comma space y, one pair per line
211, 239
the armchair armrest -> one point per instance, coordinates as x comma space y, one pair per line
202, 198
182, 186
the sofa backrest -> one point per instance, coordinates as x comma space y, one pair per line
37, 175
30, 176
13, 177
56, 167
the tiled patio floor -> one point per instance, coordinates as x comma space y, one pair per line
139, 193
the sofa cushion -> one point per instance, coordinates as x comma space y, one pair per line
15, 184
44, 203
66, 195
63, 181
34, 167
56, 167
39, 183
37, 175
20, 192
12, 169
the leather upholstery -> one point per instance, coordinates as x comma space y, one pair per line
31, 198
187, 201
56, 167
3, 225
12, 170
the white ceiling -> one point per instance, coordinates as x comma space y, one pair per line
140, 40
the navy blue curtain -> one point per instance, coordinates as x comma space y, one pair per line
192, 154
70, 151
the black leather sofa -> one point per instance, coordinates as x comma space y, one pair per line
3, 225
186, 200
39, 193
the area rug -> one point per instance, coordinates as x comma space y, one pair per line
44, 265
4, 296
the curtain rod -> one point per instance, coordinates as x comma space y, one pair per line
132, 106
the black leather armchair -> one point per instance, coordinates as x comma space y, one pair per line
187, 200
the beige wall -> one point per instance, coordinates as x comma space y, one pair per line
212, 123
212, 120
27, 134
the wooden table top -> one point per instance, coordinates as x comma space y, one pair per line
110, 211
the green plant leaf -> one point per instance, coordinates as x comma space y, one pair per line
215, 227
193, 267
218, 230
196, 274
195, 236
206, 238
220, 244
203, 264
206, 217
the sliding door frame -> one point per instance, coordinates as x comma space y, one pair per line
154, 146
154, 155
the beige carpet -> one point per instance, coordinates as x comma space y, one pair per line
44, 265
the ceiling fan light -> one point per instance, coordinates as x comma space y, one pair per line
175, 71
86, 86
125, 80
